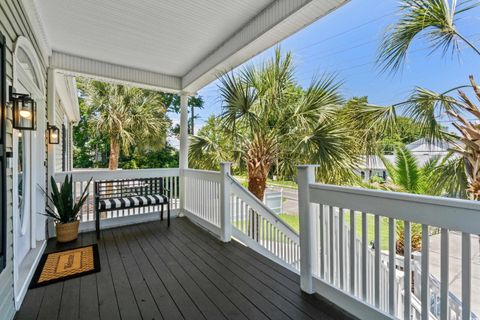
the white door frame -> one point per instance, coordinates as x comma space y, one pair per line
23, 270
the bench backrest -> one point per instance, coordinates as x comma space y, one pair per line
107, 189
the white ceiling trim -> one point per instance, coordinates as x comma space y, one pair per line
80, 66
66, 87
278, 21
38, 28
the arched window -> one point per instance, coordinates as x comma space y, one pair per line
27, 65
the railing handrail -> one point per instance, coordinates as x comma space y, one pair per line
260, 207
85, 175
205, 174
448, 213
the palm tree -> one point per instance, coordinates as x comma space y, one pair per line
431, 20
210, 146
273, 123
127, 116
434, 21
406, 175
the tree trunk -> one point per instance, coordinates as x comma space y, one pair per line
261, 153
257, 183
114, 154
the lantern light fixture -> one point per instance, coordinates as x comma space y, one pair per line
53, 134
24, 111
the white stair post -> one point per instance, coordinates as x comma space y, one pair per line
306, 176
225, 217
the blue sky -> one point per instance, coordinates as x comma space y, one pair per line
345, 43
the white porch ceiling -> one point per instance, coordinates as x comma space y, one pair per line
184, 43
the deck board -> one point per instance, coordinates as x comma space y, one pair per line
151, 272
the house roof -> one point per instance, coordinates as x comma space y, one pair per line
169, 44
424, 146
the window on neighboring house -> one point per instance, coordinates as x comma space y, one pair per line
64, 148
3, 158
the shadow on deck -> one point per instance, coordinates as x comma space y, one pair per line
151, 272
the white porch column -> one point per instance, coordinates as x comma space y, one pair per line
183, 161
51, 96
225, 218
306, 176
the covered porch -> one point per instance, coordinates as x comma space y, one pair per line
151, 272
226, 255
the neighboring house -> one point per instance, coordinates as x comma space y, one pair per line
424, 151
373, 166
421, 149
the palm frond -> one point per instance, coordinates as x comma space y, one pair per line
425, 107
432, 20
449, 178
407, 170
238, 101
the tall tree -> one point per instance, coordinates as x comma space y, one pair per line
272, 121
127, 116
195, 103
433, 21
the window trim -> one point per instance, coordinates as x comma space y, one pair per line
64, 147
3, 155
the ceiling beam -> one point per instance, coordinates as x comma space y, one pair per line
276, 22
80, 66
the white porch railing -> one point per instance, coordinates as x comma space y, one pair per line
217, 202
354, 276
202, 198
333, 253
261, 229
125, 216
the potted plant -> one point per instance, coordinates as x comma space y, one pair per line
65, 209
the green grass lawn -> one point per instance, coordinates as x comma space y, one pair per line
270, 182
292, 221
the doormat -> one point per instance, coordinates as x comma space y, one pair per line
66, 264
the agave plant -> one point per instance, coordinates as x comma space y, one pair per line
65, 207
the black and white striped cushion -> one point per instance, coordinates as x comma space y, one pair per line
129, 202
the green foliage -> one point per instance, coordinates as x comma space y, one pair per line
416, 237
146, 159
405, 132
431, 20
90, 150
127, 114
449, 177
134, 118
211, 146
407, 176
66, 208
172, 102
264, 103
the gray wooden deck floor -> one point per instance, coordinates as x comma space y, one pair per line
151, 272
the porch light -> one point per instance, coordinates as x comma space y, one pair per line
24, 111
53, 134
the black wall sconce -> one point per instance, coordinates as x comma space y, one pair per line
24, 111
53, 134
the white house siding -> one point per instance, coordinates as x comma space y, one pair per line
13, 24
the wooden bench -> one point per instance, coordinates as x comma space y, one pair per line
112, 195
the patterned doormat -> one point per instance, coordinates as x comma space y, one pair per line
66, 264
